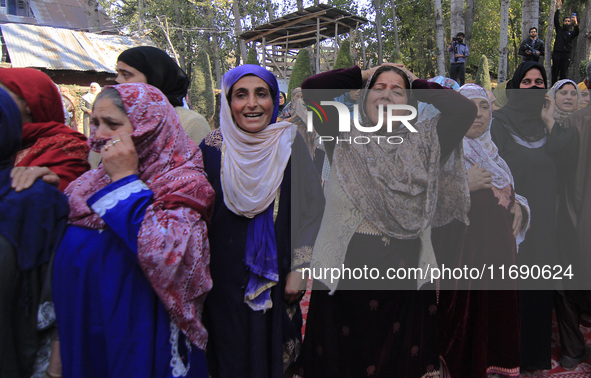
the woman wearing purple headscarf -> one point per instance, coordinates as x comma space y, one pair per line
258, 168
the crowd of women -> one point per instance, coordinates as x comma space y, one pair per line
182, 253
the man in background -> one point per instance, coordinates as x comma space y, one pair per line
563, 43
459, 54
532, 48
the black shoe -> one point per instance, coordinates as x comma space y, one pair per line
569, 363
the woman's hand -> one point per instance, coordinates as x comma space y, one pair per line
548, 113
295, 287
411, 75
366, 74
120, 157
479, 178
24, 177
517, 218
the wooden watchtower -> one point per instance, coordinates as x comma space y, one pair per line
280, 40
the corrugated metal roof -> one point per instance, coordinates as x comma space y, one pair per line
64, 49
69, 14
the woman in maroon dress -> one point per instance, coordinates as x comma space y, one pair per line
480, 329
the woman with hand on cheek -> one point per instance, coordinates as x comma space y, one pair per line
131, 273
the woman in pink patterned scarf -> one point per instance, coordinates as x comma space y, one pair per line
132, 271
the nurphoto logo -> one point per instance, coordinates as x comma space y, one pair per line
345, 115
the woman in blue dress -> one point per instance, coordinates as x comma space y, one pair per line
131, 273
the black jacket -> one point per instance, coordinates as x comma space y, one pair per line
528, 44
564, 38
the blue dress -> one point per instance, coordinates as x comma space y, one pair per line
110, 320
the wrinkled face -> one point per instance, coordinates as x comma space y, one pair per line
94, 88
109, 120
533, 33
584, 98
296, 96
532, 78
389, 88
251, 104
128, 74
566, 98
482, 119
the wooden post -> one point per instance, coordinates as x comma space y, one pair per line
285, 65
264, 53
317, 45
336, 38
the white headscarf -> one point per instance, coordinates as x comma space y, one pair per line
89, 96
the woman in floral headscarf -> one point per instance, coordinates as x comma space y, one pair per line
131, 273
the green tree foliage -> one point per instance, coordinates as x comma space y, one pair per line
252, 56
201, 94
396, 57
344, 59
301, 71
483, 74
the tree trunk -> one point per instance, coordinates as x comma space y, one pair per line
548, 41
140, 16
270, 10
503, 40
530, 16
238, 29
395, 31
179, 35
469, 21
581, 45
440, 46
93, 16
457, 17
300, 5
216, 60
378, 7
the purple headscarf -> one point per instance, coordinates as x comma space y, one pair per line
232, 76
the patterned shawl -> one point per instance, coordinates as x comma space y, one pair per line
173, 250
381, 179
482, 151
